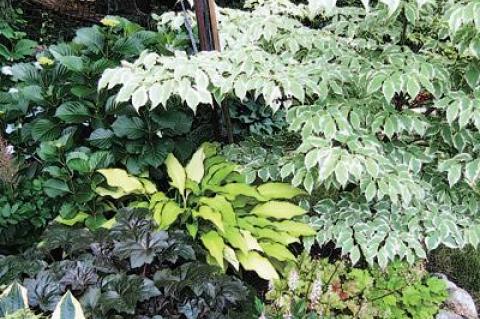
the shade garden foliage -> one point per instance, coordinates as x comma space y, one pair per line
356, 127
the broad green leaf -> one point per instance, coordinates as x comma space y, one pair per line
388, 90
115, 193
278, 210
250, 241
119, 178
177, 173
195, 169
79, 218
277, 251
233, 190
215, 246
372, 167
55, 187
73, 112
279, 191
254, 262
68, 308
220, 204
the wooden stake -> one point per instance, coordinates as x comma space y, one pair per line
210, 41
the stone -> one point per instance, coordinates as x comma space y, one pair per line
459, 302
444, 314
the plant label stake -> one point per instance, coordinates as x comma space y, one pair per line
210, 41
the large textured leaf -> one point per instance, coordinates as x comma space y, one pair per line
254, 262
215, 245
170, 213
13, 298
177, 173
209, 214
295, 228
278, 210
55, 187
279, 191
73, 112
119, 178
235, 239
129, 127
220, 204
45, 130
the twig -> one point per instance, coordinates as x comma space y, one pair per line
188, 25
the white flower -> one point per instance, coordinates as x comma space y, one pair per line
293, 280
262, 316
315, 292
13, 91
7, 70
38, 65
10, 128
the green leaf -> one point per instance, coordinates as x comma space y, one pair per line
73, 63
68, 308
372, 167
220, 204
215, 246
235, 238
73, 112
177, 173
55, 187
388, 90
120, 178
454, 174
45, 130
254, 262
296, 229
278, 210
195, 169
78, 218
101, 138
279, 191
132, 128
277, 251
375, 83
229, 255
413, 87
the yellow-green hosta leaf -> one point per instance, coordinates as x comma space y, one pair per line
68, 308
148, 186
176, 172
277, 251
258, 221
215, 245
221, 174
250, 241
279, 237
220, 204
115, 193
279, 191
295, 228
12, 299
261, 265
278, 210
236, 189
208, 213
192, 229
79, 218
195, 169
119, 178
170, 213
229, 255
157, 212
158, 197
235, 238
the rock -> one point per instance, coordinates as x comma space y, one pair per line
444, 314
459, 302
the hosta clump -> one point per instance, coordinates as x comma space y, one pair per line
14, 305
320, 289
237, 223
133, 268
64, 129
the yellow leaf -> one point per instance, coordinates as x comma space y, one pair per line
119, 178
170, 213
261, 265
115, 193
207, 213
277, 251
295, 228
215, 245
229, 255
278, 210
279, 191
176, 172
149, 187
220, 204
195, 169
235, 238
252, 243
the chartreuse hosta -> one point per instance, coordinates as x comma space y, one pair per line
237, 223
14, 298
